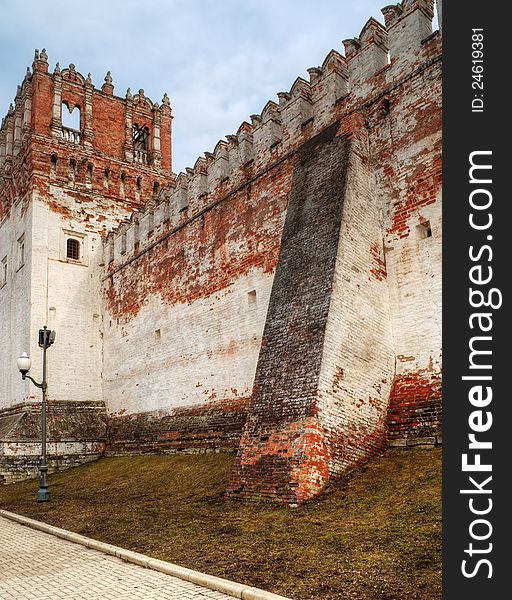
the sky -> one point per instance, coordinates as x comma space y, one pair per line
219, 60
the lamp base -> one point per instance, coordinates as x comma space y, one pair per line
43, 495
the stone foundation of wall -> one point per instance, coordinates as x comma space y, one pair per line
215, 426
415, 409
76, 434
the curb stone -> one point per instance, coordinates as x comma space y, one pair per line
230, 588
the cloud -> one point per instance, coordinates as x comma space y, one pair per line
219, 60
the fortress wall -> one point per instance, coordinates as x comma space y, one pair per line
196, 265
331, 171
183, 322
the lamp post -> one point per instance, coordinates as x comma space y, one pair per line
46, 339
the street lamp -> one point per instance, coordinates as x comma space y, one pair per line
46, 339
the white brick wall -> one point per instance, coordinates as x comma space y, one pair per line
358, 362
15, 299
206, 351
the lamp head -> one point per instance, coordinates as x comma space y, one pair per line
24, 364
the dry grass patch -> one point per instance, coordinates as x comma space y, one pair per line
376, 535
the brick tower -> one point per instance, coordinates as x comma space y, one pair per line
74, 162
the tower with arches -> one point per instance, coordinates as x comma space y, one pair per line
75, 161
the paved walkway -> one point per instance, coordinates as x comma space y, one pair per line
38, 566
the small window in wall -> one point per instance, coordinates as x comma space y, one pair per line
106, 180
73, 249
89, 174
251, 297
156, 187
53, 165
21, 252
424, 230
122, 188
72, 169
3, 272
138, 188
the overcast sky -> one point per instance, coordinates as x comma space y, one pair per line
219, 60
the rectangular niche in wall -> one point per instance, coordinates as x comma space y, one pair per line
21, 252
424, 230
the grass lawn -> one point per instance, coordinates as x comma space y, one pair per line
376, 535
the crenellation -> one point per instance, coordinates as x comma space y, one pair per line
267, 133
220, 167
335, 63
178, 202
121, 242
352, 47
146, 228
366, 56
392, 14
161, 212
408, 24
132, 232
374, 47
245, 143
296, 111
197, 184
108, 250
329, 87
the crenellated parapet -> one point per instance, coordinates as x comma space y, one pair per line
373, 64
